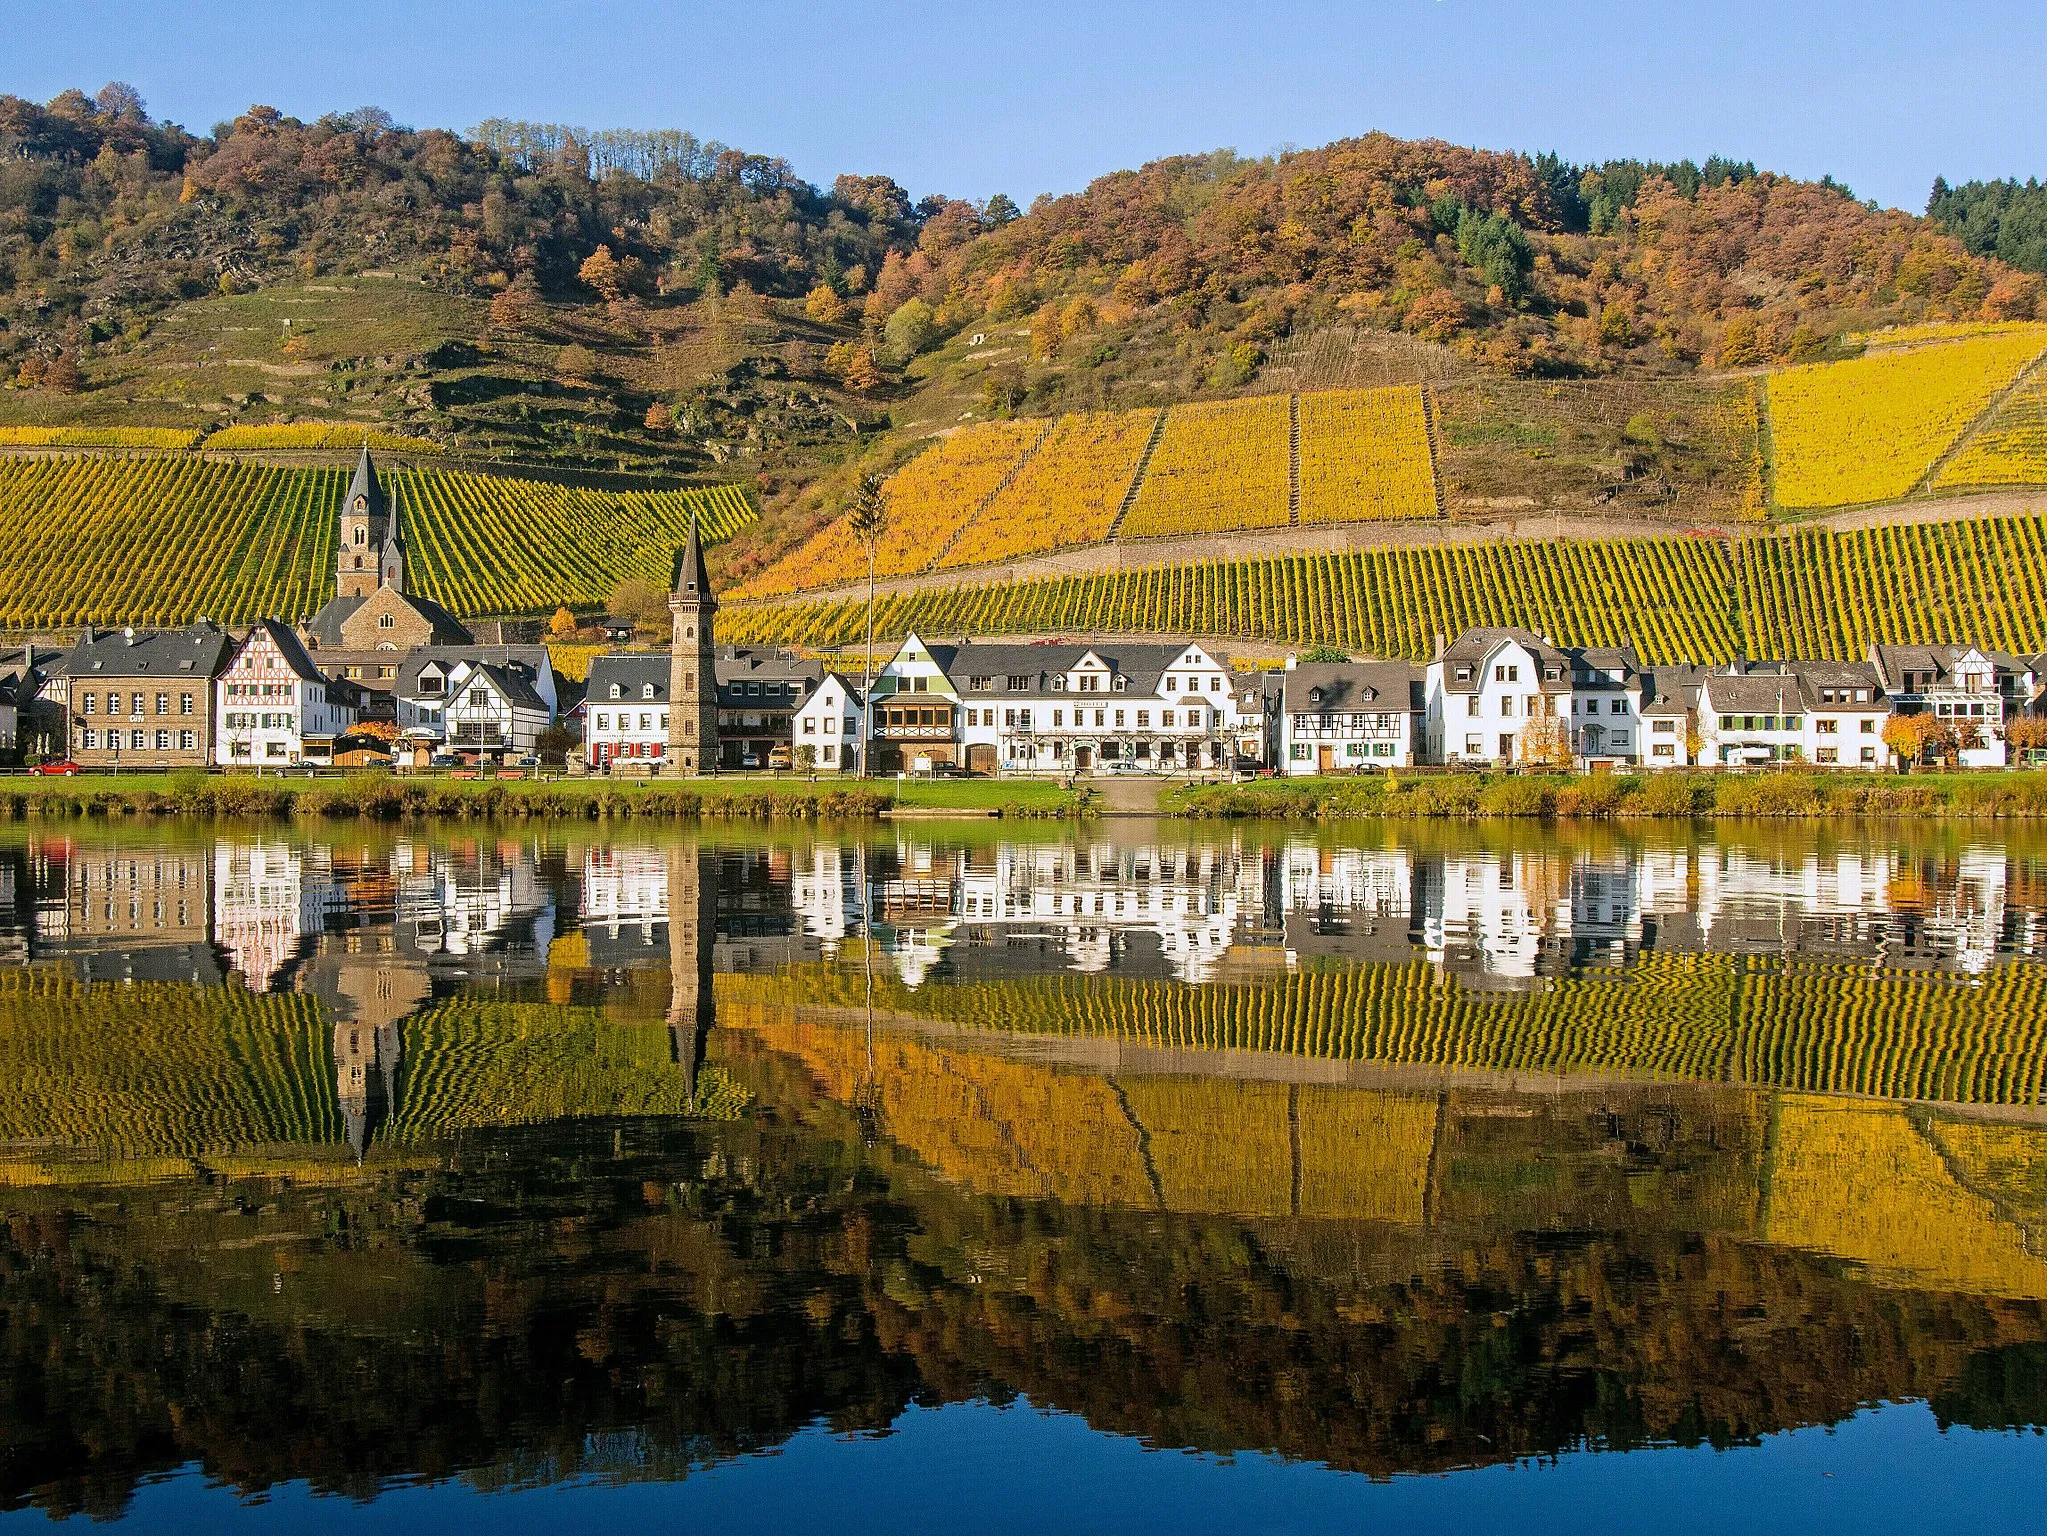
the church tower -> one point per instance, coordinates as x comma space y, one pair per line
363, 516
391, 565
692, 672
692, 926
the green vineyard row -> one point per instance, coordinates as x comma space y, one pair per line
162, 540
1814, 595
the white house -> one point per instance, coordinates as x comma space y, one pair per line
1959, 684
1826, 714
1076, 708
1342, 718
625, 709
275, 708
1668, 710
1605, 708
1485, 692
830, 724
493, 713
422, 687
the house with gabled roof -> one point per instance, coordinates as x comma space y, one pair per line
1072, 708
275, 707
829, 725
1487, 688
1350, 717
625, 710
1958, 684
141, 698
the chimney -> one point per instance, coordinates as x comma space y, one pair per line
1439, 645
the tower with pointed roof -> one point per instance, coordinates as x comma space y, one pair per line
391, 564
364, 516
692, 673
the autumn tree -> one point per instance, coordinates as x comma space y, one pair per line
2026, 736
1919, 738
911, 329
518, 307
658, 418
61, 375
576, 362
824, 305
1546, 743
861, 373
563, 625
600, 270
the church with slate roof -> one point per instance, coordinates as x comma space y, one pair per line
371, 612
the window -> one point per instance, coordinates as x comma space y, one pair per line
1505, 674
1869, 727
1018, 683
979, 684
137, 698
187, 741
1299, 752
88, 739
809, 726
1119, 719
663, 718
138, 740
1507, 707
1727, 722
479, 698
386, 621
1009, 717
1470, 704
1166, 719
163, 703
1143, 718
387, 672
91, 702
1827, 727
617, 692
1172, 684
1664, 727
1829, 754
604, 722
1215, 684
1464, 674
1664, 749
184, 703
1089, 683
1058, 718
1474, 746
1869, 754
646, 690
163, 741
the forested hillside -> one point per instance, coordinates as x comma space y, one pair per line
650, 301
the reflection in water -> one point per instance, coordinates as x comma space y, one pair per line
520, 1157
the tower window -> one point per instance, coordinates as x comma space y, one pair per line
362, 534
386, 621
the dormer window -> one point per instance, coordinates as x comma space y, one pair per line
646, 690
362, 504
617, 692
1464, 674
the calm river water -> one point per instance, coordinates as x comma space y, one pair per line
952, 1179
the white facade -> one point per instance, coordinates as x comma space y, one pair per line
831, 723
1089, 711
486, 715
1347, 718
625, 710
271, 704
1486, 690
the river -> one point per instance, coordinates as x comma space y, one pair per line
1146, 1176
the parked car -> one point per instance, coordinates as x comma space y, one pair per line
780, 758
530, 760
442, 760
65, 769
750, 760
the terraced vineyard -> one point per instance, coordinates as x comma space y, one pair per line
1005, 490
1831, 594
162, 540
1870, 429
1672, 597
1813, 594
2010, 448
1219, 468
1365, 456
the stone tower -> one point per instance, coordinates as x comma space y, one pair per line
692, 926
391, 565
363, 518
692, 674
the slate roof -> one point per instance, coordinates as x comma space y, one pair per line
200, 650
325, 626
529, 657
1755, 693
1329, 688
365, 484
631, 673
1476, 645
1142, 663
1894, 661
690, 574
514, 682
1594, 667
1670, 691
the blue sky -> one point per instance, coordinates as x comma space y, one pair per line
1041, 95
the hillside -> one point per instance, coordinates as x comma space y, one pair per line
652, 302
1812, 594
161, 539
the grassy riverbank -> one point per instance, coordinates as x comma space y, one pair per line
1669, 796
382, 797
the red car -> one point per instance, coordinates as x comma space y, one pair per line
64, 770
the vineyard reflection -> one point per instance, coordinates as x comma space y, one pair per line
517, 1155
